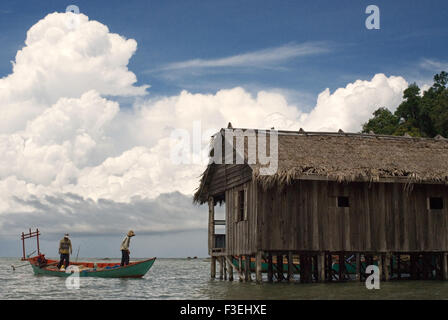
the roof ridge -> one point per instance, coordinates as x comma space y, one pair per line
341, 133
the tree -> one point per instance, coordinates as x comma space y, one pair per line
418, 115
383, 122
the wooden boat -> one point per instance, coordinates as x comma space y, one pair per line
136, 269
43, 266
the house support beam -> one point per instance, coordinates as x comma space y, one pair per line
213, 267
258, 267
321, 267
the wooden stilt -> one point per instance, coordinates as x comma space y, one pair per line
221, 268
270, 268
314, 267
230, 264
380, 266
392, 265
305, 268
439, 266
358, 266
240, 265
386, 267
426, 267
258, 267
213, 267
290, 275
224, 262
247, 268
279, 268
341, 267
211, 224
321, 267
329, 267
444, 266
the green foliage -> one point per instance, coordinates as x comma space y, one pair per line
418, 115
383, 122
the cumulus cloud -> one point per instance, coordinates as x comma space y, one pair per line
73, 159
58, 61
347, 108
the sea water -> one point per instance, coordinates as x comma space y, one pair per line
190, 279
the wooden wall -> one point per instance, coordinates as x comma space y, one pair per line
227, 176
241, 235
381, 217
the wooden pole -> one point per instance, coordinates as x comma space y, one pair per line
230, 263
358, 266
329, 267
211, 225
321, 267
290, 275
247, 268
444, 266
398, 266
380, 266
225, 267
221, 268
279, 268
240, 264
258, 267
341, 262
37, 235
23, 246
213, 267
270, 268
386, 267
391, 265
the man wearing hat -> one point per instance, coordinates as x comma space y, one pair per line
125, 248
65, 249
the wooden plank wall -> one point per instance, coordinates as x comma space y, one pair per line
381, 217
241, 235
227, 176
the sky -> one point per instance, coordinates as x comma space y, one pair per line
92, 104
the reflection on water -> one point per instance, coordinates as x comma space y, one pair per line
189, 279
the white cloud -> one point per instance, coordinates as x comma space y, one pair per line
59, 62
261, 58
434, 65
348, 108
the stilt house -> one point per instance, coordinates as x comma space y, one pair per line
334, 199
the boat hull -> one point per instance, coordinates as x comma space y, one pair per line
110, 270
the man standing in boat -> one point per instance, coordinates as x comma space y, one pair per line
125, 248
65, 249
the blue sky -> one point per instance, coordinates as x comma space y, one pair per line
283, 54
173, 31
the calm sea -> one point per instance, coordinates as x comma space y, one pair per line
189, 279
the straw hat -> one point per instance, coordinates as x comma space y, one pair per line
131, 233
66, 235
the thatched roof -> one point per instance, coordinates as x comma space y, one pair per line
352, 157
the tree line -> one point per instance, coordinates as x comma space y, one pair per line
419, 115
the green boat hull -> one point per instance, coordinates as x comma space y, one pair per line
135, 270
